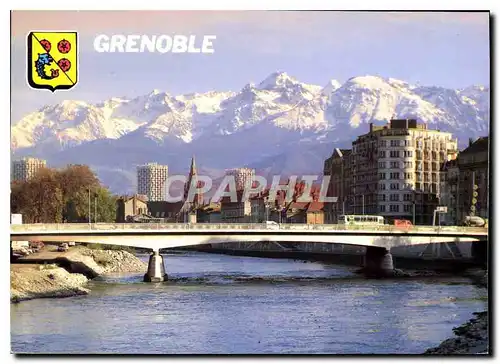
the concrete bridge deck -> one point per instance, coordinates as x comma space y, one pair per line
156, 236
378, 239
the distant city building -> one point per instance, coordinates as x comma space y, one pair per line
26, 168
339, 168
473, 183
237, 212
209, 213
188, 212
393, 171
305, 213
151, 181
449, 192
130, 206
243, 177
167, 211
192, 180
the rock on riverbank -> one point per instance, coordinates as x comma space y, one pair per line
472, 338
29, 281
112, 261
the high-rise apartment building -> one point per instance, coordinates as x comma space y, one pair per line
151, 181
395, 171
26, 168
473, 180
338, 167
243, 177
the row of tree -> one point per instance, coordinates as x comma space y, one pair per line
54, 196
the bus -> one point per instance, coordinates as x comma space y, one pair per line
361, 220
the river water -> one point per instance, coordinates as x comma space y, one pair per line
244, 305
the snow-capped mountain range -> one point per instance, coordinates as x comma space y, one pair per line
269, 121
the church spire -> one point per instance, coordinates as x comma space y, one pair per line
193, 181
192, 171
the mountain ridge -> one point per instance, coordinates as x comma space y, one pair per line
276, 117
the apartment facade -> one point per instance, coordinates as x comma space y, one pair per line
473, 183
449, 193
339, 168
129, 206
395, 171
151, 181
236, 212
243, 177
26, 168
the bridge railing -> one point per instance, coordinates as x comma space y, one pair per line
236, 226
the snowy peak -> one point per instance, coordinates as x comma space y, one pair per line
330, 87
277, 80
278, 104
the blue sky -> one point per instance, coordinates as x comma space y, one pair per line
444, 49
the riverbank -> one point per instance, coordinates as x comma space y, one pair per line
29, 281
49, 273
471, 337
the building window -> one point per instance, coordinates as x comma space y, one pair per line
394, 164
407, 197
394, 186
394, 208
394, 153
408, 175
381, 164
381, 186
408, 164
394, 197
381, 208
381, 154
394, 175
381, 197
407, 208
381, 175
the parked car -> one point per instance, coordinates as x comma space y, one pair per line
475, 221
22, 251
71, 243
63, 247
272, 225
402, 223
36, 246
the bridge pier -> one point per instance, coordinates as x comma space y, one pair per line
378, 262
156, 269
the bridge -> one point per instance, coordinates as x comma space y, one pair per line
378, 239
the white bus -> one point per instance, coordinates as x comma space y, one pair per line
361, 220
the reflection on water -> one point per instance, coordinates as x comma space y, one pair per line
226, 304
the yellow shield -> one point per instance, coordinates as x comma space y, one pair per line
52, 60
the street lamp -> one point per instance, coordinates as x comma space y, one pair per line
90, 221
95, 207
414, 205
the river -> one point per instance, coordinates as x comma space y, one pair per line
243, 305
